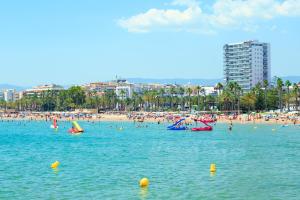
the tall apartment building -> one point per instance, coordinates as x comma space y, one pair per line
247, 63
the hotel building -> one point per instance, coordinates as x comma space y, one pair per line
247, 63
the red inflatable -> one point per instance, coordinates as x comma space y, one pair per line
207, 128
74, 131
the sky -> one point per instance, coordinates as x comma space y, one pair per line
81, 41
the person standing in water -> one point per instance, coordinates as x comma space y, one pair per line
230, 126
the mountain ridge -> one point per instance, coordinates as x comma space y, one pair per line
180, 81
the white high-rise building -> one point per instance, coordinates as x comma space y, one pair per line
247, 63
9, 95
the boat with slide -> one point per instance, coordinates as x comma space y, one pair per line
205, 128
177, 126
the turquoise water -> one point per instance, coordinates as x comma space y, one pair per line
106, 163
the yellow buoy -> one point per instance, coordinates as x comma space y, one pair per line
213, 168
55, 165
144, 182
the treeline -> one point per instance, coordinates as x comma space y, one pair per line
230, 98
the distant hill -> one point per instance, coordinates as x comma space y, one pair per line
9, 86
180, 81
203, 82
206, 82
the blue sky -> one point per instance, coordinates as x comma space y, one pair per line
67, 41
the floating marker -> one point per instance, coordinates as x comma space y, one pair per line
55, 165
144, 182
213, 168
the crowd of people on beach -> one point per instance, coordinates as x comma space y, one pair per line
159, 117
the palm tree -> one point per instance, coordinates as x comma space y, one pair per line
266, 86
189, 92
181, 93
135, 96
279, 88
202, 91
288, 84
230, 88
172, 93
198, 89
147, 100
237, 94
296, 95
226, 99
122, 93
161, 94
219, 87
248, 100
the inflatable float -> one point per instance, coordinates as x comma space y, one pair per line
76, 129
206, 128
177, 126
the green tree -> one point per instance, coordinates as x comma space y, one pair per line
266, 86
219, 87
296, 95
248, 101
279, 88
288, 85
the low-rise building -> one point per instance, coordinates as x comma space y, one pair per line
38, 90
142, 87
101, 86
124, 92
210, 90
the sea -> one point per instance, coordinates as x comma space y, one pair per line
107, 161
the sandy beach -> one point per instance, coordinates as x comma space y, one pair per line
152, 117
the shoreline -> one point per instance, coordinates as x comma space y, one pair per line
150, 119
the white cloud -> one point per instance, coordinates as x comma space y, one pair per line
154, 18
289, 8
243, 14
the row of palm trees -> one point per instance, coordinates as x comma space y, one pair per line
229, 98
